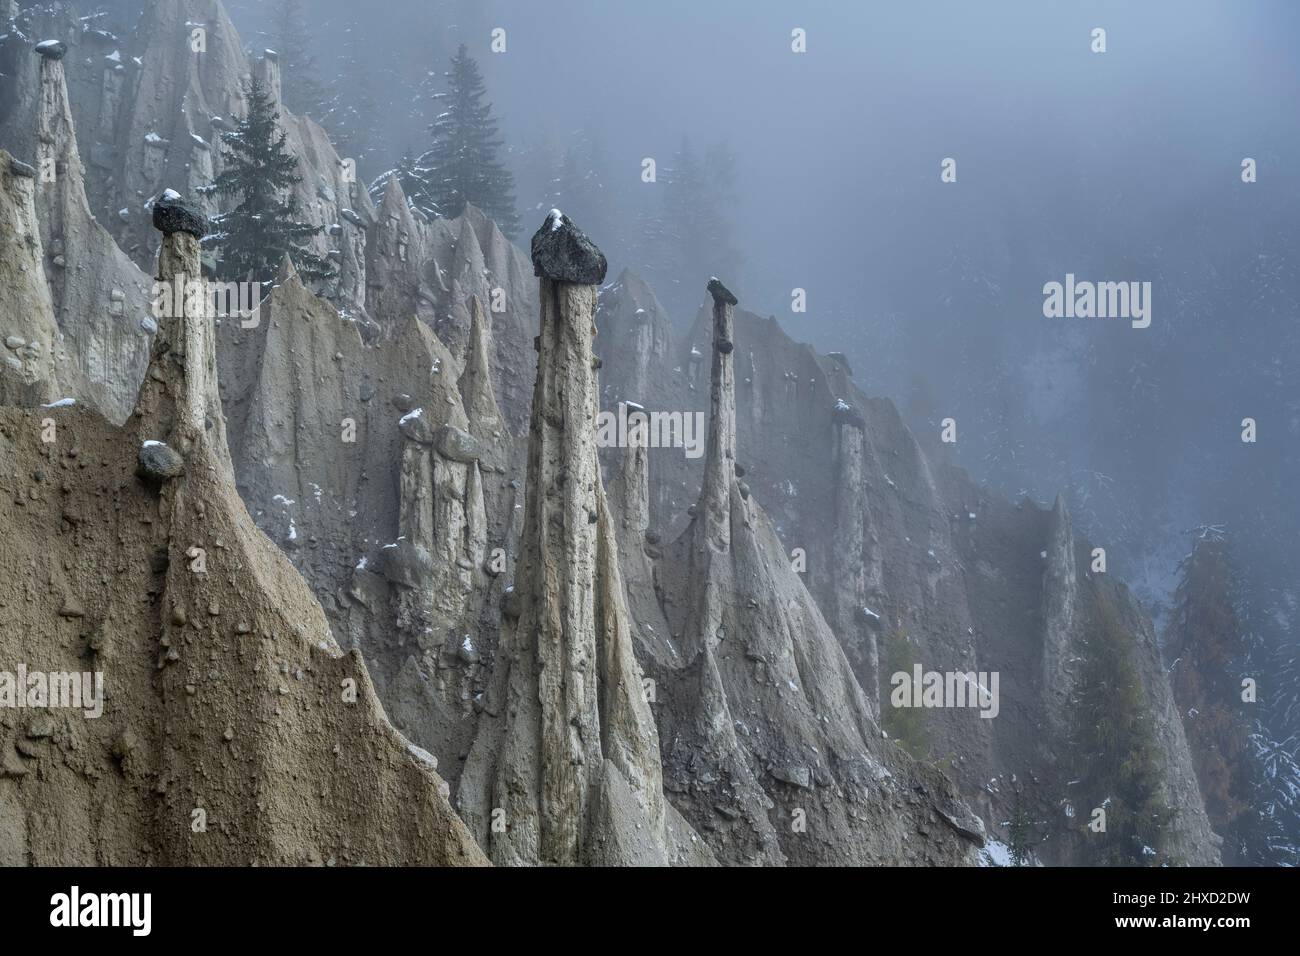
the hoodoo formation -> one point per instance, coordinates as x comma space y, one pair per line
234, 731
566, 766
347, 572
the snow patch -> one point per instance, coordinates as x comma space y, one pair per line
996, 853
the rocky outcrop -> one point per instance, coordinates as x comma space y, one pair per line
1077, 606
1062, 624
101, 299
434, 270
774, 751
29, 372
859, 579
566, 766
234, 730
361, 461
152, 106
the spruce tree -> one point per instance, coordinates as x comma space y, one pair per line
263, 225
300, 90
463, 163
1115, 750
1020, 832
413, 177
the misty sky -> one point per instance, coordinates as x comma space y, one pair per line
1116, 166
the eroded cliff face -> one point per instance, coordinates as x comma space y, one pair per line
234, 731
905, 563
99, 301
30, 374
566, 769
151, 106
773, 749
584, 686
433, 270
909, 561
361, 461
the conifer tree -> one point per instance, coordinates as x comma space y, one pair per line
1020, 832
264, 225
414, 180
1115, 750
463, 161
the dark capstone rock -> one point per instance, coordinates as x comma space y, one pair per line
846, 414
402, 402
353, 218
173, 214
652, 537
367, 391
563, 253
744, 491
158, 462
457, 445
740, 470
335, 229
724, 346
721, 293
52, 49
19, 168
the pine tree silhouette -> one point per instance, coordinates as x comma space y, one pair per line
463, 164
264, 226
